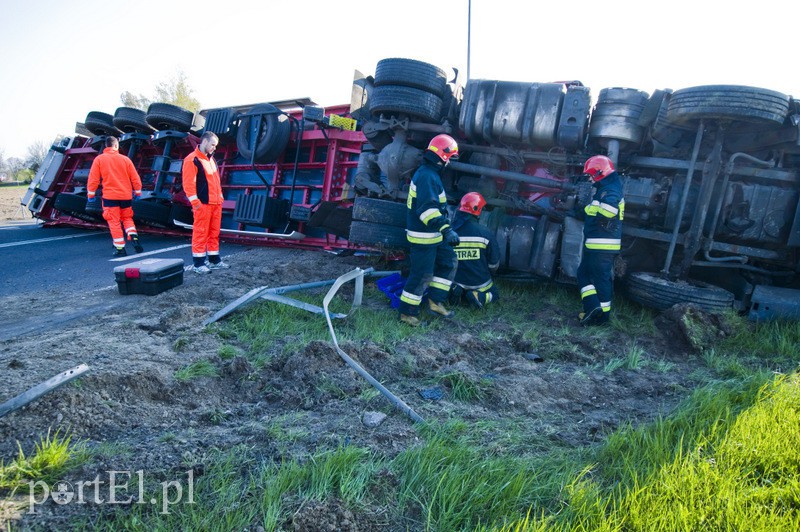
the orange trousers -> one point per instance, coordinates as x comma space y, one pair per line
205, 234
116, 216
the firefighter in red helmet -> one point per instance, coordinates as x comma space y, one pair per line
478, 255
602, 232
433, 261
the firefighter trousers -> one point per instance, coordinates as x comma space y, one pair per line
205, 232
596, 280
117, 218
433, 267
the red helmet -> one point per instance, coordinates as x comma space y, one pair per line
473, 203
444, 146
598, 167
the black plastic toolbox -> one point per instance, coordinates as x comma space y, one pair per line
149, 276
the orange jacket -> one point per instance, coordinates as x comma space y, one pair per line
201, 179
118, 176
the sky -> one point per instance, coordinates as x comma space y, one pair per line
59, 60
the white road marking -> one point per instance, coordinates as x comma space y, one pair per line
154, 252
38, 240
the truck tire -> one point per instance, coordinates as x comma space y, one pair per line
100, 124
378, 235
728, 102
395, 99
73, 205
651, 290
380, 212
410, 73
164, 116
273, 135
152, 213
132, 120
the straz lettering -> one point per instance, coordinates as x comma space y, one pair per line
468, 254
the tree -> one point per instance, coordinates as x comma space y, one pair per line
137, 101
36, 154
175, 91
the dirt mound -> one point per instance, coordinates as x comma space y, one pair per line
136, 413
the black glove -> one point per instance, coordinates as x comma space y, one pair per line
451, 237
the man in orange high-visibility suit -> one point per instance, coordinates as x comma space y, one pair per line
120, 182
202, 185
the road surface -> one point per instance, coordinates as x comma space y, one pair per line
39, 264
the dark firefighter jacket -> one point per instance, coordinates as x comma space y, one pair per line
427, 206
602, 229
478, 253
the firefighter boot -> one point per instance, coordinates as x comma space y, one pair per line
120, 252
410, 320
137, 246
475, 298
438, 308
591, 317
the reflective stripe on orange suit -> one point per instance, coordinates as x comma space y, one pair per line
120, 182
201, 182
116, 215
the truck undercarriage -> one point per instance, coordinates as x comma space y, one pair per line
711, 173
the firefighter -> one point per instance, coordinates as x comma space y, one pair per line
602, 233
201, 182
478, 255
433, 261
120, 182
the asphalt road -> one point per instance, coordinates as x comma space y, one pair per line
34, 258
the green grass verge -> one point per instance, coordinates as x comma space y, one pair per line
52, 457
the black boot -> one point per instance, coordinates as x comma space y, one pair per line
137, 246
120, 252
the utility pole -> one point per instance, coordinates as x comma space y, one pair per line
469, 34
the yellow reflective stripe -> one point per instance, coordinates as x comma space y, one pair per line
621, 209
592, 292
441, 282
587, 288
603, 247
442, 197
416, 237
607, 210
429, 215
603, 243
464, 245
440, 286
605, 305
484, 241
410, 298
483, 287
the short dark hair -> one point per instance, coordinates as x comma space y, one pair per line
111, 140
209, 135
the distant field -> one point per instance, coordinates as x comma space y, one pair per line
10, 209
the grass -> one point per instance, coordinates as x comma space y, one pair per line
720, 461
201, 368
52, 457
466, 388
728, 458
227, 352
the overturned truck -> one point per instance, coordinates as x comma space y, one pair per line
711, 173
